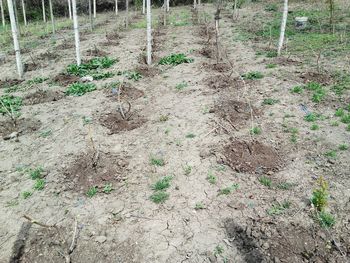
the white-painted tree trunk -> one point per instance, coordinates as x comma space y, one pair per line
52, 18
116, 7
167, 5
283, 27
94, 8
127, 14
43, 8
2, 14
90, 16
194, 4
15, 38
70, 9
149, 33
24, 13
199, 2
76, 32
143, 6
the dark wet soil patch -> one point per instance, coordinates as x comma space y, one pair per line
219, 82
65, 79
42, 96
9, 83
95, 52
251, 157
259, 241
48, 56
94, 169
322, 78
31, 66
128, 92
219, 67
147, 71
236, 112
115, 122
207, 51
23, 126
109, 43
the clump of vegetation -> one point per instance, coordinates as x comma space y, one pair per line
285, 185
159, 197
162, 184
37, 80
99, 76
91, 66
343, 147
130, 75
271, 65
271, 7
229, 189
39, 184
180, 86
190, 135
278, 208
326, 219
255, 130
331, 154
265, 181
270, 101
211, 178
311, 117
320, 195
187, 169
108, 188
10, 104
314, 127
297, 89
253, 75
36, 173
92, 191
26, 194
163, 118
79, 89
157, 161
175, 59
199, 206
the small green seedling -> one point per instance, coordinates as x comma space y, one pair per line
320, 195
175, 59
271, 66
79, 89
228, 190
26, 194
199, 206
255, 131
39, 184
157, 161
285, 185
108, 188
162, 184
270, 101
331, 154
218, 250
339, 112
92, 191
180, 86
253, 75
45, 133
190, 135
326, 219
310, 117
163, 118
265, 181
314, 127
159, 197
36, 173
343, 147
211, 178
187, 169
297, 90
278, 208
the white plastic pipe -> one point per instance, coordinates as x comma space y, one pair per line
76, 32
116, 7
24, 13
2, 13
52, 18
15, 38
149, 33
94, 2
283, 27
70, 9
143, 6
43, 8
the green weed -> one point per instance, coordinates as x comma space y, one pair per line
92, 191
159, 197
190, 135
271, 7
36, 173
187, 169
334, 123
253, 75
229, 189
255, 131
271, 66
218, 250
320, 195
278, 208
211, 178
343, 147
10, 104
345, 119
175, 59
99, 76
79, 89
108, 188
339, 112
162, 184
45, 133
199, 206
297, 89
39, 184
314, 127
326, 219
270, 101
157, 161
285, 186
311, 117
130, 75
180, 86
37, 80
265, 181
331, 154
26, 194
163, 118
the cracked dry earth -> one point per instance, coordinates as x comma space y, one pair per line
125, 225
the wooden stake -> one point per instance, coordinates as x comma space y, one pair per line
76, 32
52, 18
15, 38
44, 12
2, 14
149, 33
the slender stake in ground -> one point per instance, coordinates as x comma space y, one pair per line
24, 13
127, 13
283, 27
76, 32
143, 6
116, 7
94, 3
15, 38
2, 13
90, 16
43, 8
149, 33
70, 9
52, 18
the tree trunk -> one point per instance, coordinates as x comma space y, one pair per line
149, 33
76, 32
194, 4
52, 18
167, 5
94, 8
127, 13
116, 7
70, 9
283, 27
15, 38
90, 16
2, 13
43, 8
24, 13
199, 2
143, 6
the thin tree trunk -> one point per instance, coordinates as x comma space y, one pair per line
127, 14
194, 4
283, 27
116, 7
15, 38
24, 13
76, 32
90, 16
44, 12
70, 9
94, 8
52, 18
149, 33
143, 6
167, 5
2, 13
199, 2
16, 15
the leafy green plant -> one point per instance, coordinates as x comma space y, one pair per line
339, 112
211, 178
326, 219
130, 75
36, 173
163, 118
79, 89
157, 161
314, 127
39, 184
187, 169
229, 189
92, 191
159, 197
265, 181
278, 208
37, 80
331, 154
271, 66
10, 104
271, 7
175, 59
218, 250
99, 76
162, 184
345, 119
91, 66
297, 89
190, 135
199, 206
270, 101
310, 117
271, 54
285, 185
255, 131
343, 147
253, 75
26, 194
45, 133
319, 95
320, 195
181, 85
108, 188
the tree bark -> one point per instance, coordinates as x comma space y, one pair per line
15, 38
70, 9
76, 32
52, 18
149, 33
43, 8
2, 14
24, 13
283, 27
94, 2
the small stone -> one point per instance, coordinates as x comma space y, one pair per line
100, 239
87, 79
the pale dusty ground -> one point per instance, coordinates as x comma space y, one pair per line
125, 226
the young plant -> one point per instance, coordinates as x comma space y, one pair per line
270, 101
320, 195
326, 219
253, 75
108, 188
255, 131
228, 190
92, 191
297, 90
10, 104
130, 75
162, 184
175, 59
79, 89
314, 127
39, 184
199, 206
278, 208
180, 86
211, 178
331, 154
190, 135
265, 181
159, 197
187, 169
157, 161
343, 147
26, 194
36, 173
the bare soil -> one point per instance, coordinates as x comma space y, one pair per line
116, 123
22, 126
42, 96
